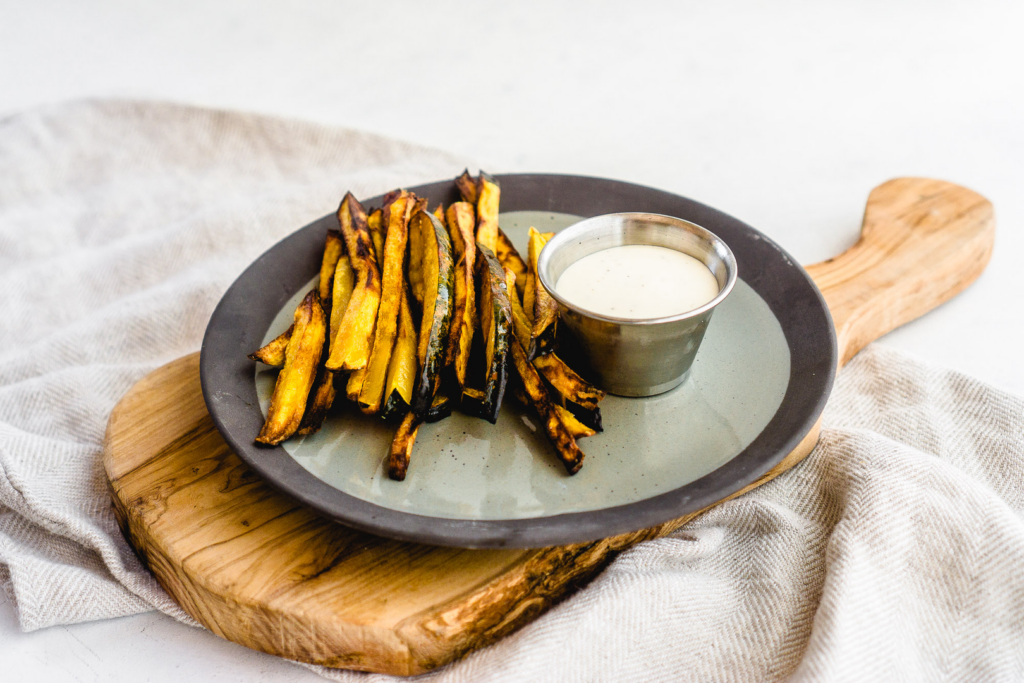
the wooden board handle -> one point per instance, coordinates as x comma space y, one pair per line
922, 242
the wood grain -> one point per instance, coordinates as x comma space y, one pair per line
259, 569
922, 242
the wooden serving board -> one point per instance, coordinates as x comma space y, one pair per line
260, 569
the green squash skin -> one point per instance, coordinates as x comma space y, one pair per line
430, 374
501, 309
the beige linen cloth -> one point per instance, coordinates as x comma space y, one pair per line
895, 551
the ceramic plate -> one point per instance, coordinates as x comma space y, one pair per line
756, 388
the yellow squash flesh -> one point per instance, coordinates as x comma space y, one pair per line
350, 349
396, 216
461, 225
560, 436
545, 308
569, 385
273, 352
334, 249
401, 446
510, 258
288, 402
488, 197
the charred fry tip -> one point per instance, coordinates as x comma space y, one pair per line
467, 186
401, 446
294, 382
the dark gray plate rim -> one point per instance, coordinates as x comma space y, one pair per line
243, 315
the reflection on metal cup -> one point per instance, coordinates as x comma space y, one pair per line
631, 357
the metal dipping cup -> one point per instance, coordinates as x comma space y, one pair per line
637, 357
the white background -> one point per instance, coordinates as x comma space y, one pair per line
782, 114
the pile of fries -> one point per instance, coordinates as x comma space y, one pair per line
419, 311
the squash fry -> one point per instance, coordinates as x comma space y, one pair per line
334, 249
288, 402
516, 387
530, 290
354, 385
273, 353
591, 418
396, 217
519, 320
355, 229
341, 292
402, 370
529, 297
545, 308
321, 398
557, 431
473, 401
460, 339
510, 258
440, 408
438, 302
460, 220
575, 427
495, 323
488, 197
375, 224
401, 446
338, 290
467, 187
467, 279
416, 267
350, 349
569, 385
416, 247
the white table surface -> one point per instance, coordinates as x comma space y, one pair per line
782, 114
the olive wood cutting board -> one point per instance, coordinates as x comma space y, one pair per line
258, 568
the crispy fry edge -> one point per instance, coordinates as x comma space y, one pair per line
288, 402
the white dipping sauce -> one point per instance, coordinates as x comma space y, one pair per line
637, 281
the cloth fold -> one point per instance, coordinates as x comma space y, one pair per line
896, 550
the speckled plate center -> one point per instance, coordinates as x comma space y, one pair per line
465, 468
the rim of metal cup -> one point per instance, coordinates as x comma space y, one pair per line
577, 230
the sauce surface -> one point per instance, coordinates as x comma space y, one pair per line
638, 281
